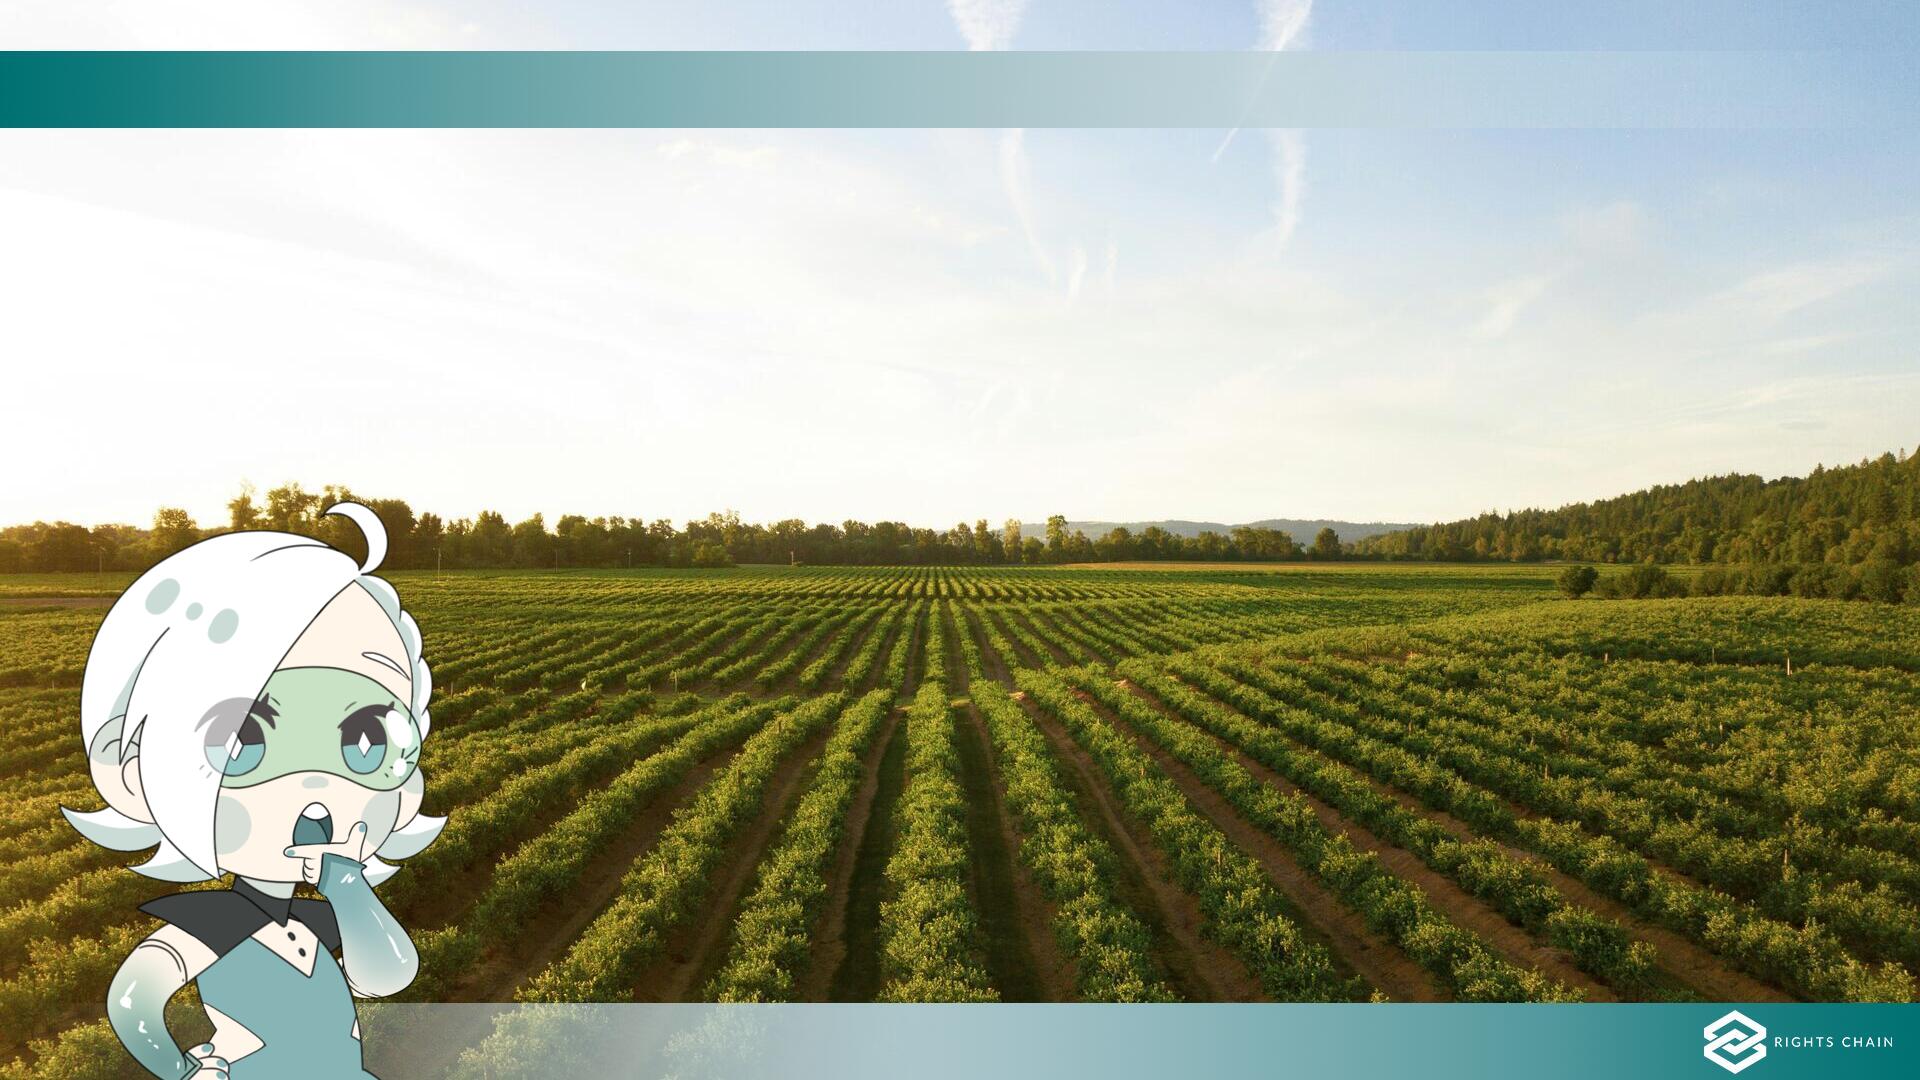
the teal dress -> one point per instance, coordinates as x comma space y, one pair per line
305, 1023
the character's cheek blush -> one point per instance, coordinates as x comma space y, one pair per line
232, 825
382, 813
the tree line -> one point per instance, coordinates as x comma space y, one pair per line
1848, 516
425, 540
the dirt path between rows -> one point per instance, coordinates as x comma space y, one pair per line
1024, 959
845, 963
1319, 911
1055, 654
547, 935
1199, 969
694, 952
1467, 911
991, 661
1683, 959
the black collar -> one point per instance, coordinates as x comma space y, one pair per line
277, 908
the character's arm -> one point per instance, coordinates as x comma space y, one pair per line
378, 956
137, 1000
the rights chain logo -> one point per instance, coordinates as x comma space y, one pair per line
1736, 1041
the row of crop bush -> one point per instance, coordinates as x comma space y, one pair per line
905, 647
1015, 629
1066, 644
1520, 892
550, 861
35, 861
1396, 909
996, 640
1113, 638
1807, 960
1740, 787
772, 938
869, 656
755, 633
1874, 917
969, 648
933, 652
1111, 948
668, 884
1243, 911
820, 669
788, 631
929, 935
515, 811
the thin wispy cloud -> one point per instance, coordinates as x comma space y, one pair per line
1290, 177
1283, 25
987, 25
1282, 22
1507, 300
1017, 181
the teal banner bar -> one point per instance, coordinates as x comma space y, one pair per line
955, 89
1144, 1042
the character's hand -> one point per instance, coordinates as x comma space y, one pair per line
208, 1065
353, 849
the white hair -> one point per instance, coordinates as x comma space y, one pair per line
206, 625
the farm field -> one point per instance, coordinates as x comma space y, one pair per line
1186, 783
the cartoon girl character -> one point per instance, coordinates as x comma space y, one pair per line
255, 705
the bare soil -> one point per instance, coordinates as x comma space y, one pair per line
1198, 969
1024, 959
695, 951
548, 935
1319, 911
1467, 911
846, 940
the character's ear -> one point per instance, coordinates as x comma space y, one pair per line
117, 778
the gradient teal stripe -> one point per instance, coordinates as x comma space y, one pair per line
950, 89
1126, 1042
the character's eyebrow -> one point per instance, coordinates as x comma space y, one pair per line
260, 710
388, 661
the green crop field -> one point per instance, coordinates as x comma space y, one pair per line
1162, 783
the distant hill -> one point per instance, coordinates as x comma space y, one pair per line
1863, 513
1300, 530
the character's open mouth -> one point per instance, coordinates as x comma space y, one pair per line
313, 826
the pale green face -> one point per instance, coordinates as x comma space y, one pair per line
315, 720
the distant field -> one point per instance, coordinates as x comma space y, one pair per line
1298, 782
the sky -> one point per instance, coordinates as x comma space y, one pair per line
935, 326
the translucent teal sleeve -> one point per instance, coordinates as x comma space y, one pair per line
378, 956
136, 1006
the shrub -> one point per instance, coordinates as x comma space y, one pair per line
1577, 581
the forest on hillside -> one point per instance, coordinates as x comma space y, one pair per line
1852, 515
425, 541
1863, 516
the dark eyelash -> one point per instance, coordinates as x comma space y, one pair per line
263, 711
371, 712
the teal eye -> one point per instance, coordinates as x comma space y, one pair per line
242, 751
363, 739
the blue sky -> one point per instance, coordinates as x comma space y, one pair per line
943, 325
